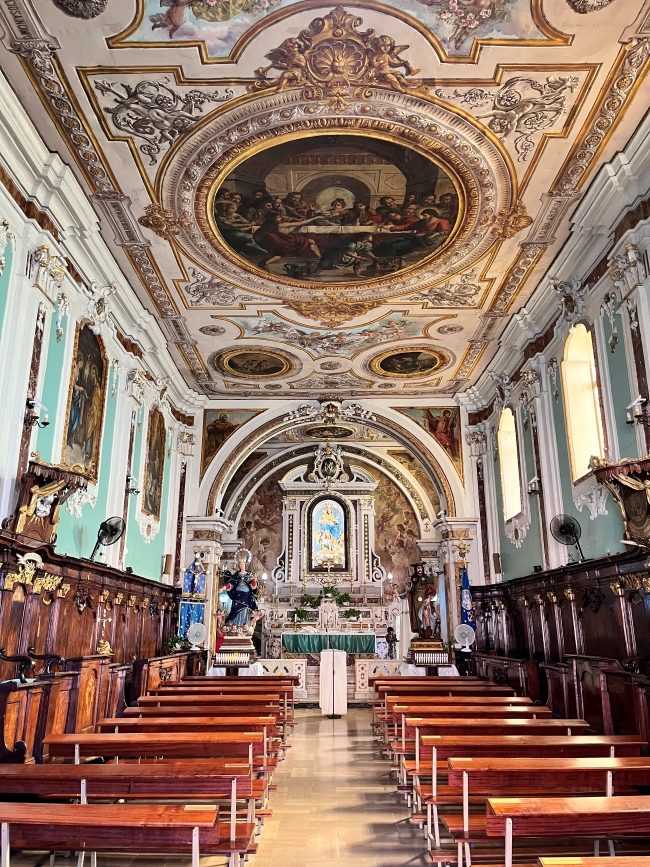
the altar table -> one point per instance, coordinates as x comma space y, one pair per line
314, 642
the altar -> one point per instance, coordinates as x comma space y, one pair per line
302, 643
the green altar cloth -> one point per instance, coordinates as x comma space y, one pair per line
314, 642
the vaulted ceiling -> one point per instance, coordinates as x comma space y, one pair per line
491, 115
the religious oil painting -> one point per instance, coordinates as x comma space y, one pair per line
411, 363
396, 531
251, 363
328, 432
326, 341
443, 423
219, 24
154, 467
260, 525
218, 426
327, 536
336, 208
83, 429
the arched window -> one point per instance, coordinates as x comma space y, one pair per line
584, 421
509, 463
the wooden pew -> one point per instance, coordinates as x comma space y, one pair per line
190, 709
397, 714
621, 816
434, 748
243, 745
171, 780
572, 861
472, 780
109, 827
196, 690
263, 724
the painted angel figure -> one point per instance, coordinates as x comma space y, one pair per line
385, 60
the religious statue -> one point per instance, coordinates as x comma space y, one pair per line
422, 594
391, 641
241, 589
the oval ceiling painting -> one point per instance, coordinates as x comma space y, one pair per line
251, 363
411, 363
336, 208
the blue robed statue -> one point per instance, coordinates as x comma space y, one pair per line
241, 589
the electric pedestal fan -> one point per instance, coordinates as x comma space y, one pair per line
465, 636
567, 531
109, 532
196, 634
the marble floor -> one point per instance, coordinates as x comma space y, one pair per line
335, 805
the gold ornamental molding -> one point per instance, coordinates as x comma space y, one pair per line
280, 425
483, 173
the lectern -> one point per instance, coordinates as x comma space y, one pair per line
333, 683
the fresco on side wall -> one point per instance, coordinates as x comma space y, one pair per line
396, 531
443, 423
85, 414
415, 468
260, 525
154, 467
218, 425
457, 23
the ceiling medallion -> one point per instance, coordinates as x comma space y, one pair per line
332, 61
332, 432
410, 363
335, 208
252, 363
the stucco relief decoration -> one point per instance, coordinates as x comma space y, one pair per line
81, 8
333, 60
572, 294
463, 292
521, 109
163, 221
208, 290
153, 111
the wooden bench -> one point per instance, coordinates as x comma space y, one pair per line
622, 861
171, 780
621, 816
109, 827
243, 745
472, 780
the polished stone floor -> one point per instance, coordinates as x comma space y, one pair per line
334, 805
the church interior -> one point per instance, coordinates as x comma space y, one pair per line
325, 474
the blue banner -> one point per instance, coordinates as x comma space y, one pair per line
466, 605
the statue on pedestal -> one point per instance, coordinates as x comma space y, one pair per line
241, 589
422, 594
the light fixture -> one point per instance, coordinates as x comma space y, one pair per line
636, 411
32, 417
131, 486
535, 487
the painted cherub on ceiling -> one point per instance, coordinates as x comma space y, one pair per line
453, 25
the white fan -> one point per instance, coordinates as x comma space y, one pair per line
196, 634
465, 636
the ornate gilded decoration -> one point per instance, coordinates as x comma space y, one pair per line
628, 481
411, 362
329, 310
131, 602
253, 363
618, 586
104, 595
119, 598
507, 224
163, 221
63, 591
331, 60
47, 584
569, 594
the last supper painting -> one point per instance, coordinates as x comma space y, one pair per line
336, 209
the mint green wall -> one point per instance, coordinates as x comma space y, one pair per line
77, 536
5, 281
145, 558
604, 533
620, 384
520, 561
52, 396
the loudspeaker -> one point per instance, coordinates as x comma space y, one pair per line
496, 562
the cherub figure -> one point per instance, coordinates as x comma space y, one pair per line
288, 58
385, 59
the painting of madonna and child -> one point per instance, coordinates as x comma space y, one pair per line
336, 208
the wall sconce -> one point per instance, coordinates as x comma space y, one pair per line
131, 486
32, 417
636, 411
535, 487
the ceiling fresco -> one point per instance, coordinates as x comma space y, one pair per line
344, 200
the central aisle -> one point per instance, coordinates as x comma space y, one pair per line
335, 803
